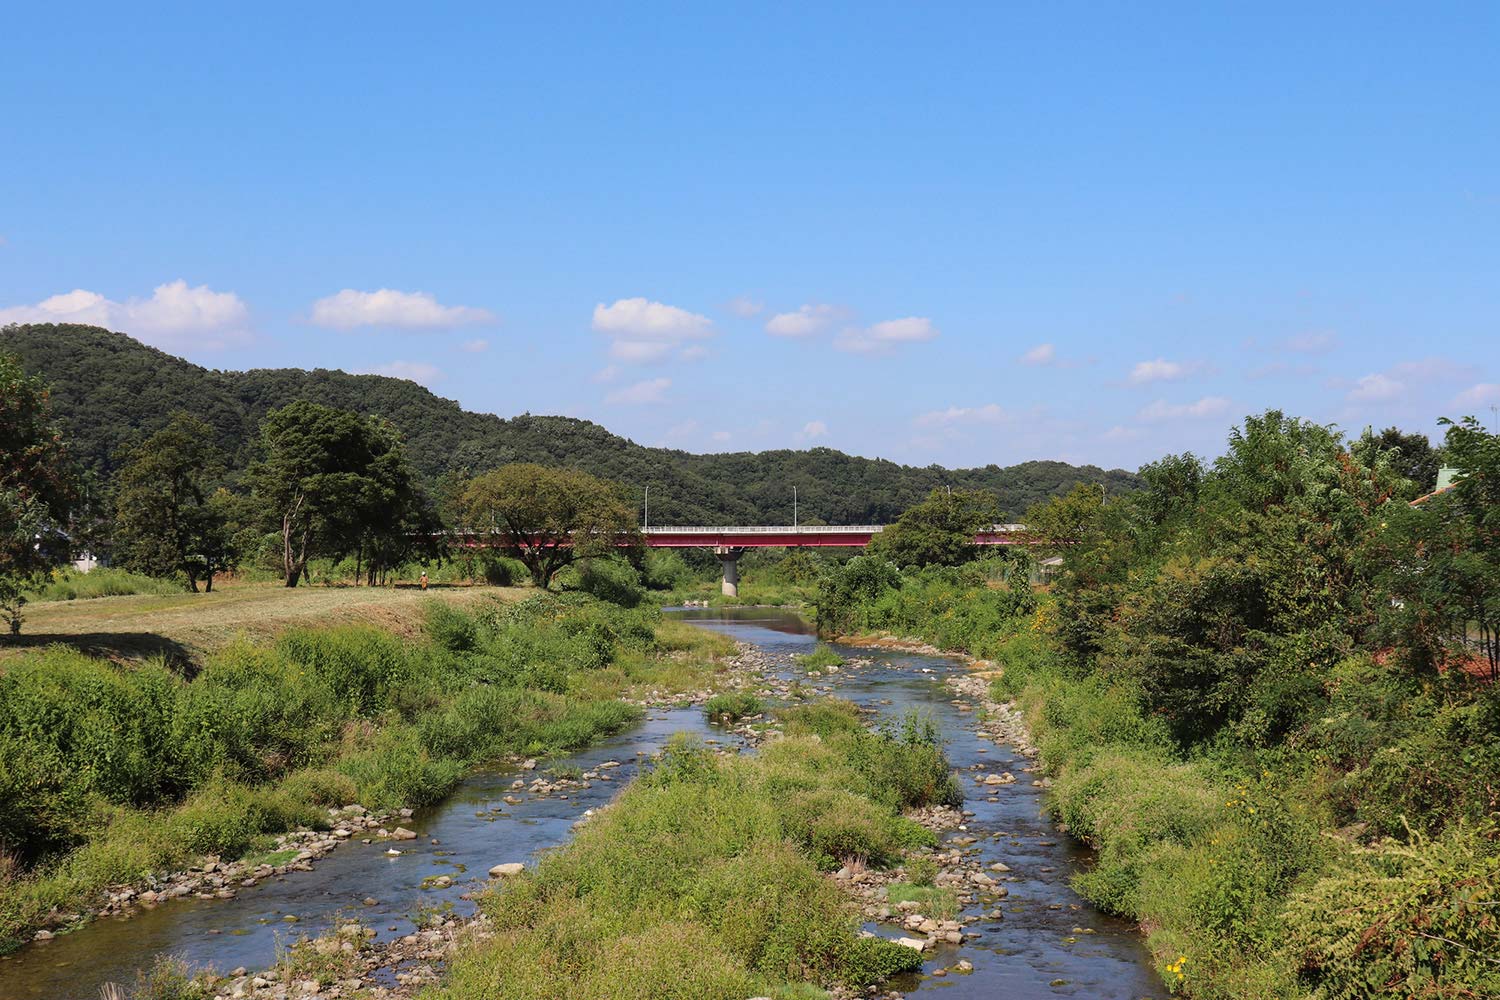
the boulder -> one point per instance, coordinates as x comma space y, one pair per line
507, 870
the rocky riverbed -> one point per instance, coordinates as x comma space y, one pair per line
998, 921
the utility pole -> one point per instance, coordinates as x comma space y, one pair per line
794, 506
648, 508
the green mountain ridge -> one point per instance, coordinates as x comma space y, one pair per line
110, 390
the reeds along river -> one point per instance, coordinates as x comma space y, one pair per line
1047, 942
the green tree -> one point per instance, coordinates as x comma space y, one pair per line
940, 530
331, 482
1411, 456
1441, 560
1068, 520
165, 520
548, 518
842, 590
36, 489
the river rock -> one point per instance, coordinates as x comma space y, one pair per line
913, 943
402, 833
507, 870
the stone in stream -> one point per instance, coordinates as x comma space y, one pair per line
402, 833
507, 870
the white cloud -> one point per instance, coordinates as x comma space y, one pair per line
1041, 354
885, 335
693, 352
651, 390
990, 413
1310, 342
648, 320
813, 429
606, 374
1161, 370
349, 309
639, 352
1480, 395
417, 371
1119, 434
1431, 369
642, 331
1375, 389
1208, 406
807, 320
175, 315
720, 436
745, 307
477, 346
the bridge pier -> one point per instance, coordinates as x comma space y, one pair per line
729, 558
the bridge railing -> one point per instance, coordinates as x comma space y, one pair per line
758, 529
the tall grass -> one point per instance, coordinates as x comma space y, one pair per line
107, 773
1224, 852
71, 585
702, 879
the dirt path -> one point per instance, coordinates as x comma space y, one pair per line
184, 627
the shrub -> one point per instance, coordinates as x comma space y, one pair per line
732, 706
613, 580
71, 585
1416, 919
821, 658
362, 666
450, 627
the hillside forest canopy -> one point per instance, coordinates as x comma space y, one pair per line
110, 392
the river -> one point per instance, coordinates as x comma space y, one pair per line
1050, 943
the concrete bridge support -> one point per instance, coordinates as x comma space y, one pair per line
729, 558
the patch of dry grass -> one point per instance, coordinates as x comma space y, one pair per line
184, 627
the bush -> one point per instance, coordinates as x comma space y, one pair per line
732, 706
362, 666
665, 570
451, 628
821, 658
1416, 919
613, 580
71, 585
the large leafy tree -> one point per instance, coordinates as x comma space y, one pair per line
166, 518
1410, 456
940, 530
35, 487
1441, 560
331, 482
548, 518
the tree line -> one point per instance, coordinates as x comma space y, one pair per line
324, 483
110, 392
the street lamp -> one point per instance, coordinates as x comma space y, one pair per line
648, 508
794, 506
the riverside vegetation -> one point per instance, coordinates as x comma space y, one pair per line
1290, 777
706, 877
111, 774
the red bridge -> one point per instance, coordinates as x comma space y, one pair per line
729, 543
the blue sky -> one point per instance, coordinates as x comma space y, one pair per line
932, 233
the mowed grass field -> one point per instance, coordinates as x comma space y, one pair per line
184, 627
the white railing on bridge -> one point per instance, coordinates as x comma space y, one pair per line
762, 529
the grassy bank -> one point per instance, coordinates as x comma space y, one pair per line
705, 877
110, 772
1356, 857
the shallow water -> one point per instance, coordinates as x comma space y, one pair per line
475, 830
1018, 958
1021, 956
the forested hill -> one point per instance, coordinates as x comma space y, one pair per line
109, 390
